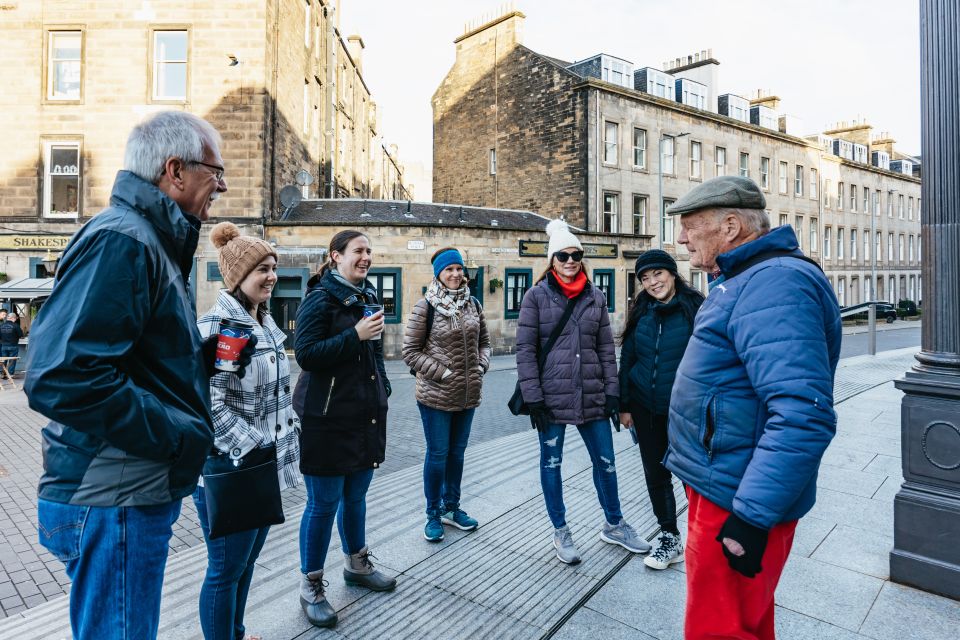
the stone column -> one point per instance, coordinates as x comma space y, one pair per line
926, 551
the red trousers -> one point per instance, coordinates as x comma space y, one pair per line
722, 603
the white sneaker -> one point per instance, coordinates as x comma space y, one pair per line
669, 550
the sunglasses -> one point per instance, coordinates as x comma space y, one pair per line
563, 256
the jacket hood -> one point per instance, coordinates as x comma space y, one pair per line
179, 231
780, 239
340, 291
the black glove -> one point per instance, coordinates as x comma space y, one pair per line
209, 349
387, 387
752, 539
611, 409
539, 415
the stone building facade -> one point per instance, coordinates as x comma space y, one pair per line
594, 142
275, 77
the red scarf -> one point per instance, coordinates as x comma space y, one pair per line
573, 289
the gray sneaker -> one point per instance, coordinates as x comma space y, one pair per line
563, 542
624, 535
669, 550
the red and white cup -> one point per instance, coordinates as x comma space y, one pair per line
233, 337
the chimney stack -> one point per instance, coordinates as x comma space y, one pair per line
355, 48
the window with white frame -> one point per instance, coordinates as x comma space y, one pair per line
878, 245
853, 197
842, 291
720, 160
876, 202
784, 219
493, 162
696, 160
889, 204
306, 25
798, 227
866, 200
853, 244
61, 179
900, 206
667, 160
827, 193
744, 164
918, 208
840, 241
306, 106
611, 212
827, 241
667, 222
910, 208
610, 151
866, 245
892, 289
782, 177
867, 293
64, 65
618, 72
798, 182
890, 247
640, 148
910, 245
840, 193
814, 230
170, 65
901, 248
639, 214
764, 173
814, 186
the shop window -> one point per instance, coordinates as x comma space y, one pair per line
517, 283
388, 284
603, 279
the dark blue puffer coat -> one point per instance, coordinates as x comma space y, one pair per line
650, 357
752, 406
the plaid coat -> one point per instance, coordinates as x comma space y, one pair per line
248, 411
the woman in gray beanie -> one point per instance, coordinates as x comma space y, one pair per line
654, 339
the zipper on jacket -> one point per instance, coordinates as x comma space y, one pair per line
326, 405
711, 427
466, 361
656, 362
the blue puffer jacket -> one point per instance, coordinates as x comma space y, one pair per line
752, 406
650, 357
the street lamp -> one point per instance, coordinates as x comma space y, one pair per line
662, 209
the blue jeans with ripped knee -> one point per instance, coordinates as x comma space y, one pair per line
599, 441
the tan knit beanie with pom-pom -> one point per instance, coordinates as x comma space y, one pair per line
238, 255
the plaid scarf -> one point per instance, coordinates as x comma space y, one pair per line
447, 302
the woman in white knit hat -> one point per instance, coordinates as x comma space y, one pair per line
572, 382
249, 412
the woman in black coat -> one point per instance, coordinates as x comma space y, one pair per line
654, 339
341, 398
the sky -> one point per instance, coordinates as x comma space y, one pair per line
828, 60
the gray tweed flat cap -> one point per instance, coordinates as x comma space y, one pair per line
725, 191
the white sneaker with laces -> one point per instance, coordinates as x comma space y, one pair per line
669, 550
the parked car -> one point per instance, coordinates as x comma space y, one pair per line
885, 311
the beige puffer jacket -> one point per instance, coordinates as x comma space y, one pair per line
464, 351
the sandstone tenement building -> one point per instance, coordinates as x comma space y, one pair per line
608, 144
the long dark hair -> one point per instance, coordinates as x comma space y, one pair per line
245, 302
339, 244
689, 299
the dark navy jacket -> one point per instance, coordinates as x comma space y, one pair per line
650, 357
115, 358
752, 406
341, 395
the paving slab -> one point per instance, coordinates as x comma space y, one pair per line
828, 593
858, 483
791, 625
862, 551
902, 612
587, 624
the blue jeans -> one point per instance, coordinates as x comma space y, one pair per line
230, 563
10, 351
596, 435
327, 496
447, 433
115, 557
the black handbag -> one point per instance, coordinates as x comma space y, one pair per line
515, 404
243, 494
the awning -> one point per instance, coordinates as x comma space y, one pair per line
26, 289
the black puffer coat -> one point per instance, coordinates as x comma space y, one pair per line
341, 396
650, 357
581, 369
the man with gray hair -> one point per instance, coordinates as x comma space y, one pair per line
752, 407
117, 364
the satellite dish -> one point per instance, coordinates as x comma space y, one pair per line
289, 198
304, 178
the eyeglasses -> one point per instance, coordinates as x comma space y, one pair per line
217, 171
563, 256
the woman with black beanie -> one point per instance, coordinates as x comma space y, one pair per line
653, 341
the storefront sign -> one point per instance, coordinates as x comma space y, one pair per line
537, 249
24, 242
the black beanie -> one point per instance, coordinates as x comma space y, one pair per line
655, 259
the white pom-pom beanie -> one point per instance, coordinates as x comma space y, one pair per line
560, 237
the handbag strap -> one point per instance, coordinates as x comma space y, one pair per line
557, 330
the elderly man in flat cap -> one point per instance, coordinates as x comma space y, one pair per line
752, 407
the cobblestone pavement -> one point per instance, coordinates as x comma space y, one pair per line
29, 575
